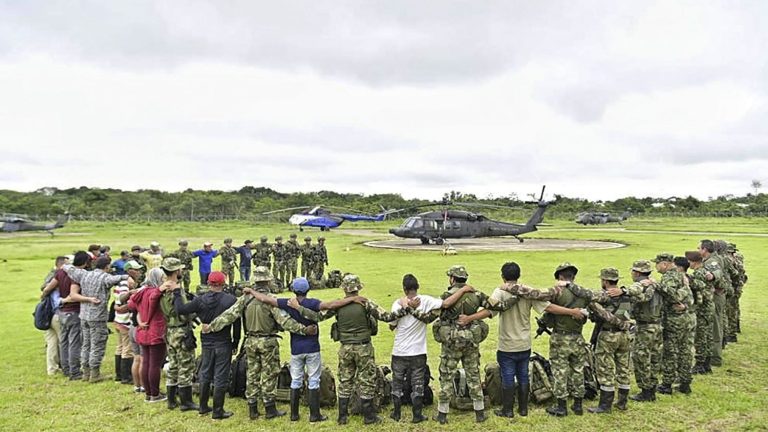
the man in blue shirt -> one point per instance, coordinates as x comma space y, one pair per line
245, 260
118, 266
206, 256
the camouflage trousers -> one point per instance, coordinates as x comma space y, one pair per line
677, 357
184, 279
450, 356
318, 271
263, 354
732, 312
705, 317
612, 359
357, 367
290, 269
646, 355
717, 330
278, 271
94, 343
306, 267
181, 362
229, 271
567, 357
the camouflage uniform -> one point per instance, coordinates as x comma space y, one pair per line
319, 258
713, 266
738, 287
646, 350
293, 251
704, 308
185, 256
136, 256
228, 260
306, 257
732, 295
262, 253
262, 349
278, 265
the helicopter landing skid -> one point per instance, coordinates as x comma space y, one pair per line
519, 239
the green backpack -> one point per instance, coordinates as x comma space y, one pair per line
327, 389
540, 378
382, 392
283, 392
460, 398
492, 384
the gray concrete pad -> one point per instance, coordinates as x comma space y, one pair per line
496, 244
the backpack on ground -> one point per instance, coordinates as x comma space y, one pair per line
429, 395
238, 375
327, 389
492, 383
382, 392
591, 386
43, 313
460, 399
540, 378
283, 391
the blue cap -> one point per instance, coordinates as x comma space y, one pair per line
300, 285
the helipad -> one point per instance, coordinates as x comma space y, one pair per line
496, 244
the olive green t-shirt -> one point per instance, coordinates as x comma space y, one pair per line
515, 323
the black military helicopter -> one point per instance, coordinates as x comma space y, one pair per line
12, 222
597, 218
437, 226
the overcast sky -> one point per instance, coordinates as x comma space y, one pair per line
594, 99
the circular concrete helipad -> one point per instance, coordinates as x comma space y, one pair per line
496, 244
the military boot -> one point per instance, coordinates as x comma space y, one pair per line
396, 403
577, 406
185, 394
253, 409
96, 375
441, 418
171, 391
652, 393
418, 405
560, 409
707, 366
294, 404
606, 401
205, 395
643, 396
621, 404
272, 411
314, 407
219, 395
685, 388
343, 411
507, 403
118, 369
369, 413
665, 388
480, 416
697, 368
86, 374
523, 393
126, 365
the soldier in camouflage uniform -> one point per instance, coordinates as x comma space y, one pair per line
319, 259
181, 359
228, 260
185, 256
262, 349
136, 256
262, 254
738, 287
677, 323
279, 262
704, 307
306, 258
729, 273
646, 349
293, 251
715, 276
732, 295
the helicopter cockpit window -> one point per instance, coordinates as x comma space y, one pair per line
417, 223
409, 222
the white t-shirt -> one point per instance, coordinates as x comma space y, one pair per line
411, 334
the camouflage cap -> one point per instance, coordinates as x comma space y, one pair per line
183, 243
279, 238
132, 265
171, 264
694, 256
321, 238
720, 246
458, 271
642, 266
293, 235
135, 248
351, 283
609, 273
731, 247
154, 244
263, 239
563, 266
307, 239
664, 256
261, 274
227, 240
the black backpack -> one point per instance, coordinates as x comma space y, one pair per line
238, 375
43, 313
283, 390
429, 396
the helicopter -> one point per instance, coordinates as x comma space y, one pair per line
323, 218
597, 218
12, 222
437, 226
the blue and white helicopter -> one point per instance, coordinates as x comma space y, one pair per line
325, 219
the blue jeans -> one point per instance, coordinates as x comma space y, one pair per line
513, 365
245, 273
314, 366
204, 278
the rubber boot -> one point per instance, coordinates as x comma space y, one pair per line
396, 403
314, 407
507, 403
665, 388
559, 410
118, 368
219, 395
621, 404
86, 374
643, 396
185, 395
441, 418
253, 410
205, 394
96, 376
418, 406
343, 411
606, 402
294, 404
652, 393
577, 406
697, 368
480, 416
126, 365
369, 415
171, 391
523, 393
272, 411
685, 388
707, 366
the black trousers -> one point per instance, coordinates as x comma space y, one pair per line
214, 366
413, 367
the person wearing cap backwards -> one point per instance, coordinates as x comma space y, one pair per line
357, 362
278, 264
716, 280
153, 256
704, 308
262, 257
263, 323
293, 251
319, 258
181, 357
676, 324
306, 258
185, 256
217, 346
228, 260
246, 254
205, 256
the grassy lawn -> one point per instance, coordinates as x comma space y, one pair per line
733, 398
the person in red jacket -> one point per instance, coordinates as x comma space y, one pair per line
150, 334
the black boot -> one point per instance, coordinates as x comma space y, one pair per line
643, 396
606, 401
369, 415
652, 394
126, 376
523, 393
343, 412
219, 395
665, 388
697, 368
418, 405
480, 416
118, 368
707, 366
205, 394
622, 402
294, 404
253, 410
441, 418
314, 407
685, 388
507, 403
185, 395
172, 404
396, 402
559, 410
576, 407
272, 411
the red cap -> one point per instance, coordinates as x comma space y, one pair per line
216, 278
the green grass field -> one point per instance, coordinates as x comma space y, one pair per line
733, 398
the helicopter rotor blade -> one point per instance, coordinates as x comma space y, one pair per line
286, 209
